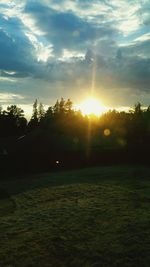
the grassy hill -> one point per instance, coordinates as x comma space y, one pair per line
83, 218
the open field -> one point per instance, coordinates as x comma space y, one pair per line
84, 218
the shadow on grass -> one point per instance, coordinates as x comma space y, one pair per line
133, 177
7, 204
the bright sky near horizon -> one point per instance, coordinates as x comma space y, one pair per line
75, 48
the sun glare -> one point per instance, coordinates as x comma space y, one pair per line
92, 106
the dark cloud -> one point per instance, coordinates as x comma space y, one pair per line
65, 29
16, 52
144, 13
137, 49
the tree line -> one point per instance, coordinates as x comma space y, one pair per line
61, 132
122, 128
14, 123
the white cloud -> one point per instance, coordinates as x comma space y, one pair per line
8, 97
42, 52
30, 24
125, 16
7, 79
12, 9
69, 55
10, 72
143, 38
128, 26
5, 1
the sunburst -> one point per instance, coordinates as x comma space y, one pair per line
92, 106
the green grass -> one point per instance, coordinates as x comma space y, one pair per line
91, 217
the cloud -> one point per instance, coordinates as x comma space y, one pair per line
16, 51
7, 79
9, 97
66, 30
54, 48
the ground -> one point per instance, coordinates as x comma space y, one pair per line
83, 218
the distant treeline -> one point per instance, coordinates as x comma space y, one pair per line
62, 134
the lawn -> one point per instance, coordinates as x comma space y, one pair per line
83, 218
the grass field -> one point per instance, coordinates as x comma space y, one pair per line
84, 218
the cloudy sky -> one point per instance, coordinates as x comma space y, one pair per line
72, 48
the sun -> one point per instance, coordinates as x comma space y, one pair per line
92, 106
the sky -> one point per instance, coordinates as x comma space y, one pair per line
74, 48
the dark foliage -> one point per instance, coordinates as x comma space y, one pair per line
12, 122
63, 137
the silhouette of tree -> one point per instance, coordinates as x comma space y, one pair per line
49, 113
62, 106
33, 123
35, 111
48, 118
12, 121
15, 112
137, 109
56, 107
68, 106
41, 112
148, 109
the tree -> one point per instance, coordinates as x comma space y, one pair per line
49, 112
15, 112
48, 118
137, 108
56, 107
13, 121
62, 106
68, 106
33, 123
35, 111
41, 112
148, 109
